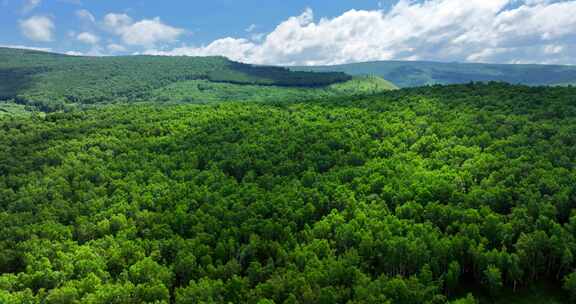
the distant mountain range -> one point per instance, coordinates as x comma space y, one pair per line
419, 73
49, 81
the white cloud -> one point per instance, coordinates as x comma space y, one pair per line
116, 23
116, 48
553, 49
85, 16
236, 49
251, 28
254, 36
146, 32
30, 5
257, 36
74, 53
88, 38
25, 47
539, 31
38, 28
150, 32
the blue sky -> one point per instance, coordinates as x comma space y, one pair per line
300, 31
205, 21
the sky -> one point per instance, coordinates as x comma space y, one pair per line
299, 32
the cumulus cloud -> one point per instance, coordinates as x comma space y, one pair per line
254, 36
38, 28
146, 32
538, 31
116, 23
88, 38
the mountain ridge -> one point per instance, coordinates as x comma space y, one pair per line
420, 73
52, 82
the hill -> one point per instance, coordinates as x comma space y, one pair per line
411, 196
418, 73
203, 91
52, 81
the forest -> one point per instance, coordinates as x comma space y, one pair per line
55, 82
443, 194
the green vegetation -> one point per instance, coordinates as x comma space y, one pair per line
538, 293
53, 81
364, 85
204, 91
12, 109
418, 73
410, 196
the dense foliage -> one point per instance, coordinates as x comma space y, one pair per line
203, 91
413, 196
50, 81
13, 110
418, 73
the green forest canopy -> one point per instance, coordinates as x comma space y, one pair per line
411, 196
50, 81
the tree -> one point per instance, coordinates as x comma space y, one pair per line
203, 291
63, 295
149, 271
453, 276
570, 285
468, 300
493, 279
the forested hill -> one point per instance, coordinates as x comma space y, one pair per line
419, 73
412, 196
46, 79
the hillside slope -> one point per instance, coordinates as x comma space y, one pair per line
49, 80
419, 73
204, 91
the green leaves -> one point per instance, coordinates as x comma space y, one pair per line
408, 197
570, 285
493, 279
